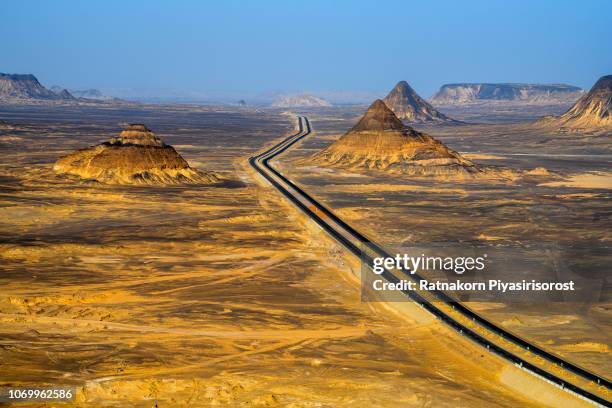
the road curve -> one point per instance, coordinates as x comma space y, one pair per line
483, 330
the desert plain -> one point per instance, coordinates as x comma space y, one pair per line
545, 216
225, 295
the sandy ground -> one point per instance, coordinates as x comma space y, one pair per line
536, 227
598, 180
205, 296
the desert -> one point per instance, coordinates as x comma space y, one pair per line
512, 218
305, 204
186, 295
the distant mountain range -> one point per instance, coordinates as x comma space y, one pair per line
403, 100
463, 93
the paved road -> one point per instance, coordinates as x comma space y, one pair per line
527, 356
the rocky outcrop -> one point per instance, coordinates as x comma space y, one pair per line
62, 92
464, 93
24, 87
136, 156
592, 112
300, 101
408, 105
381, 141
93, 94
87, 93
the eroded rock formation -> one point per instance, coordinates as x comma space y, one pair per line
381, 141
136, 156
301, 101
592, 112
408, 105
463, 93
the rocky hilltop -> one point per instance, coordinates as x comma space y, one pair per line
92, 94
300, 101
25, 87
462, 93
136, 156
592, 111
408, 105
62, 92
381, 141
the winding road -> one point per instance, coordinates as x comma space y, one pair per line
497, 340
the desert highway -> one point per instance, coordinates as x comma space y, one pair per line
527, 356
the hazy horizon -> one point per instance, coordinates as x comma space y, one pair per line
345, 50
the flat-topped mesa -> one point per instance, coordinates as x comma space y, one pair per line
591, 112
408, 105
137, 134
466, 93
381, 141
137, 156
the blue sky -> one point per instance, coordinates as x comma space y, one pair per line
234, 47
